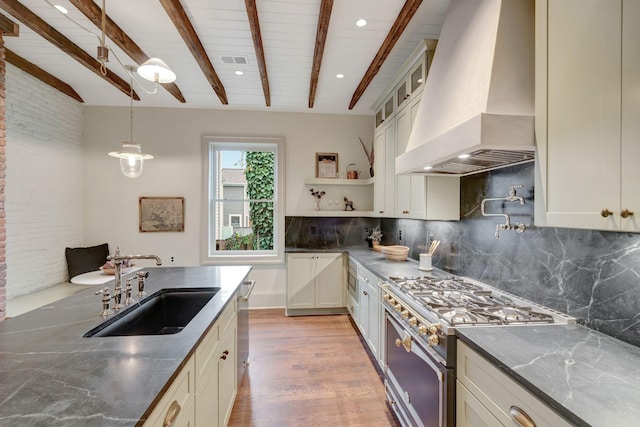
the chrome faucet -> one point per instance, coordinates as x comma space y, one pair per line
117, 260
519, 227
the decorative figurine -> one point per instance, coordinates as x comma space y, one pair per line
318, 196
348, 205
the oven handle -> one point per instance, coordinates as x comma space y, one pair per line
251, 284
432, 358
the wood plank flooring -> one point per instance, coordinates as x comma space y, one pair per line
308, 371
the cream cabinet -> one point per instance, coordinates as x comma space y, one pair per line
315, 281
369, 311
385, 111
588, 114
384, 184
176, 408
409, 196
215, 367
485, 396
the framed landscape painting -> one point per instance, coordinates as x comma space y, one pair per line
161, 214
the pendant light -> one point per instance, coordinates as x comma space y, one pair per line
131, 156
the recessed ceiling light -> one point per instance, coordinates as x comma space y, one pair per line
239, 73
361, 22
61, 9
339, 76
427, 168
464, 156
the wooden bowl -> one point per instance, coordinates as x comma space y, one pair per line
395, 252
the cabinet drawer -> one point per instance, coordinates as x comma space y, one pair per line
181, 391
498, 393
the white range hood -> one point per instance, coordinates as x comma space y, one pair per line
478, 99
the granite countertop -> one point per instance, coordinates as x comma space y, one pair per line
590, 378
51, 376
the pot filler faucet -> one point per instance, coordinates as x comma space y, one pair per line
519, 227
117, 260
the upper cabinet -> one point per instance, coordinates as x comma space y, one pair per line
588, 114
409, 196
385, 111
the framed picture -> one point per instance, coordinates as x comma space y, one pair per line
161, 214
326, 165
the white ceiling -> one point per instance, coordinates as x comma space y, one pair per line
288, 30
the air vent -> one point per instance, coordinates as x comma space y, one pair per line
234, 59
481, 160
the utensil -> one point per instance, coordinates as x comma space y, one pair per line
432, 247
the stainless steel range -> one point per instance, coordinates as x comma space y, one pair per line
421, 316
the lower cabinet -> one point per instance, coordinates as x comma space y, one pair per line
369, 307
216, 371
485, 396
176, 408
204, 391
315, 281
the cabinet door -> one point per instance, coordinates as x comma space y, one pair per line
363, 306
410, 190
384, 184
630, 115
300, 281
373, 335
583, 113
330, 287
227, 374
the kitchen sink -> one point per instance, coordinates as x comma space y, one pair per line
167, 311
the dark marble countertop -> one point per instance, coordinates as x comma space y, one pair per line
590, 378
51, 376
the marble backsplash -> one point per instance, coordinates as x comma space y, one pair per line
592, 275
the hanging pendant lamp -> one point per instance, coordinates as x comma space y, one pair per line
131, 156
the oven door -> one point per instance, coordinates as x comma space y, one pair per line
424, 387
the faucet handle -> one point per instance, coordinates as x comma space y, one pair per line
141, 276
512, 191
106, 300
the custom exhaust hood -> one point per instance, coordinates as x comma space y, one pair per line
478, 100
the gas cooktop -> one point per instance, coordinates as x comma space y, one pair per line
460, 301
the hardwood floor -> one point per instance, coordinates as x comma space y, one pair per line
308, 371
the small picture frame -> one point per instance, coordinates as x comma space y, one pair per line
161, 214
327, 165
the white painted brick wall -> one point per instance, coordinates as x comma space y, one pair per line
44, 191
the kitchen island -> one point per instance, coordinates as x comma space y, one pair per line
51, 376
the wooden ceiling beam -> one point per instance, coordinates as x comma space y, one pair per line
42, 75
321, 37
182, 23
94, 13
254, 24
8, 28
404, 17
53, 36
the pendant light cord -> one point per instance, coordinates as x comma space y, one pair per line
131, 111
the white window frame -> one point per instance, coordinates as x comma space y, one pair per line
209, 146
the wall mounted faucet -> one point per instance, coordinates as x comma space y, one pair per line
512, 197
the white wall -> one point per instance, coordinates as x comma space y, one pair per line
174, 136
44, 184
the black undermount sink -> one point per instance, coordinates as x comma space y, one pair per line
167, 311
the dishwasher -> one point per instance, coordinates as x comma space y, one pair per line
243, 327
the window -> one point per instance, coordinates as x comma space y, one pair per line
244, 200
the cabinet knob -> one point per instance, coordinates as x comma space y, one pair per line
605, 212
626, 213
172, 414
520, 417
365, 293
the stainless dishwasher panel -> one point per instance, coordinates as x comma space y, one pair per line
243, 327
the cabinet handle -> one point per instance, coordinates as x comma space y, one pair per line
626, 213
520, 417
172, 414
224, 355
605, 212
365, 293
